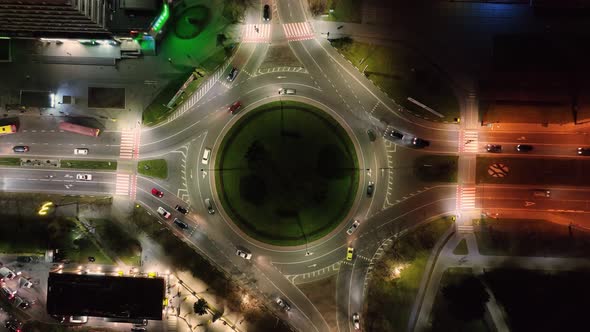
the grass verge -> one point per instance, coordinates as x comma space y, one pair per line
117, 240
528, 237
436, 168
343, 11
461, 248
9, 161
391, 297
89, 164
157, 111
157, 168
402, 72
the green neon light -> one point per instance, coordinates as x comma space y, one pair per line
161, 19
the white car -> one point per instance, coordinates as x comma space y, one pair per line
283, 304
84, 177
356, 321
163, 212
243, 254
82, 151
206, 155
78, 319
353, 227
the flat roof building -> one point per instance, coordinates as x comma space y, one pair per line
105, 296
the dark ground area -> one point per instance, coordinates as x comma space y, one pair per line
106, 97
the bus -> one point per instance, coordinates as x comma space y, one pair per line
78, 129
8, 129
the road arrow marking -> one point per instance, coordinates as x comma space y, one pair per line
312, 265
527, 203
204, 174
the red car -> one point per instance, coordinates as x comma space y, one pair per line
157, 193
233, 109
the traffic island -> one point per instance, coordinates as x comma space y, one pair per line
286, 173
156, 168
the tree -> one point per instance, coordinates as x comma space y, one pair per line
221, 38
201, 307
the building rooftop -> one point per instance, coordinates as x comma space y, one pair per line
105, 296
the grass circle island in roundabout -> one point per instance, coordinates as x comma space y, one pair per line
286, 173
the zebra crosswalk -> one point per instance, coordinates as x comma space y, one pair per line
122, 184
298, 31
126, 185
468, 142
466, 197
129, 148
256, 33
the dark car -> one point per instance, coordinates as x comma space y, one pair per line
20, 148
394, 134
181, 209
91, 259
524, 148
235, 107
494, 148
266, 13
180, 223
420, 143
232, 74
584, 151
157, 193
370, 188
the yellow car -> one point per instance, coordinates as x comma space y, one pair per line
349, 253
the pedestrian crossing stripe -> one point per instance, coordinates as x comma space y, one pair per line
256, 33
298, 31
468, 141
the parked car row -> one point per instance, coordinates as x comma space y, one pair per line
26, 148
497, 148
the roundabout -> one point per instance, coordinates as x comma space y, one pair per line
286, 173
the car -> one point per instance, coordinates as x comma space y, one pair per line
542, 193
524, 148
370, 188
584, 151
209, 205
284, 305
235, 107
157, 193
349, 253
494, 148
394, 134
9, 293
163, 212
20, 148
181, 209
84, 177
371, 134
356, 321
206, 155
232, 74
420, 143
180, 223
284, 91
19, 302
243, 254
353, 227
81, 151
266, 13
77, 319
